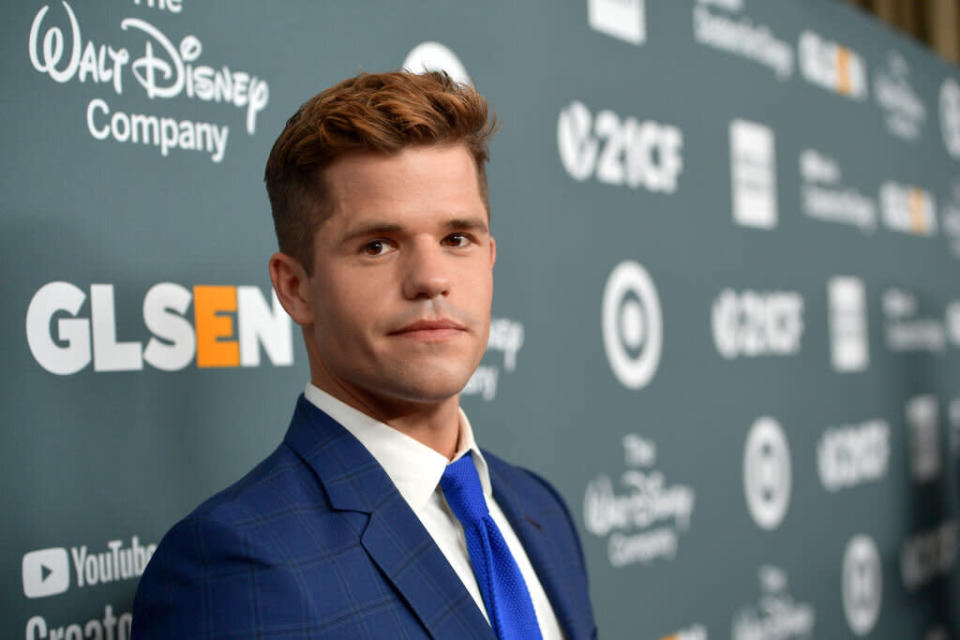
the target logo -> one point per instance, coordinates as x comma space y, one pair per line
632, 324
767, 475
433, 56
862, 584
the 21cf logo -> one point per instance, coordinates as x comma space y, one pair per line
619, 151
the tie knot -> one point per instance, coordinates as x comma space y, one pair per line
464, 493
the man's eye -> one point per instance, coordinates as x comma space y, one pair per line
375, 248
458, 240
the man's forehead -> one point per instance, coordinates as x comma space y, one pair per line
434, 184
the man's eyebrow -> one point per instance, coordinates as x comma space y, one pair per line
468, 224
371, 229
472, 223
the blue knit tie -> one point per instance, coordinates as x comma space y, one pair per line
501, 584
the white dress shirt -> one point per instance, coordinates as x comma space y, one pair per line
416, 470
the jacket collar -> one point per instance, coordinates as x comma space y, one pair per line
571, 604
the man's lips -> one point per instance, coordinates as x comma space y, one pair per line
439, 328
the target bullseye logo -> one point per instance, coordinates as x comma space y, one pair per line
433, 56
767, 475
632, 325
862, 584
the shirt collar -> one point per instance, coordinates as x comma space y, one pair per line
414, 468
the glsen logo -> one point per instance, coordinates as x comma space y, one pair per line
619, 151
929, 554
907, 330
63, 342
824, 198
923, 421
109, 626
506, 336
950, 116
623, 19
645, 521
862, 584
433, 56
753, 174
904, 113
45, 572
908, 209
777, 616
832, 66
851, 455
849, 345
632, 325
757, 323
767, 474
739, 36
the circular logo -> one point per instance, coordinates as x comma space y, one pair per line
433, 56
950, 116
862, 584
632, 324
578, 149
766, 473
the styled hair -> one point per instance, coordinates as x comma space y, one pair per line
371, 112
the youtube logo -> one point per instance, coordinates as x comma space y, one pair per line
46, 572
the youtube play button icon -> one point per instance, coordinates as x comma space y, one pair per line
46, 572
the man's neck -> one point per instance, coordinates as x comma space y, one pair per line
436, 425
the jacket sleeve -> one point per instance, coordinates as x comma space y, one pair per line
206, 579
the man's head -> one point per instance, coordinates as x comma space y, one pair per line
379, 199
371, 112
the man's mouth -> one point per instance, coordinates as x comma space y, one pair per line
430, 329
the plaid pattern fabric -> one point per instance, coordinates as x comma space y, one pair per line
316, 542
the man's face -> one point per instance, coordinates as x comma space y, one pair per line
403, 275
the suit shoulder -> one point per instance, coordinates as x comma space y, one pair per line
276, 485
239, 562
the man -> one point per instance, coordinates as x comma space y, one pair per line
378, 516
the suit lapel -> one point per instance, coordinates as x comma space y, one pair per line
543, 551
393, 536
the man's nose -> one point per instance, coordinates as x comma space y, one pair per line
426, 273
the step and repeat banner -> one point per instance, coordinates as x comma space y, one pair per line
727, 309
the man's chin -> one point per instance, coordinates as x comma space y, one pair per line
429, 394
433, 388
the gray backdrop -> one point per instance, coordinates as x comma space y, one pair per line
727, 311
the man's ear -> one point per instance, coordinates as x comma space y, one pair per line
493, 251
290, 281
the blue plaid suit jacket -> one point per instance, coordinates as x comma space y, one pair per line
316, 542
